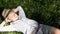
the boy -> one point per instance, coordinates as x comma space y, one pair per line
23, 24
18, 22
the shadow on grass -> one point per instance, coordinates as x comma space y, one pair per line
11, 32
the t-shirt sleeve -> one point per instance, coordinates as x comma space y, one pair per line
7, 28
32, 27
31, 30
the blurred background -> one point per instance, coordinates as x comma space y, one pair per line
43, 11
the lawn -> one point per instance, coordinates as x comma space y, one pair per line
43, 11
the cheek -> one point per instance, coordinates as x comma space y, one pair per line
15, 17
11, 17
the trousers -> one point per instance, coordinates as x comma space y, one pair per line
43, 29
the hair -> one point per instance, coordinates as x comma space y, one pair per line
6, 12
14, 11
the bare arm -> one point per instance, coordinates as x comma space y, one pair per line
2, 24
55, 31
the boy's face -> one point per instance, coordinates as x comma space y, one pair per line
12, 16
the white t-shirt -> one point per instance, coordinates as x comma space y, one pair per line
25, 25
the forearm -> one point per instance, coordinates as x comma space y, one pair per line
55, 31
2, 24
